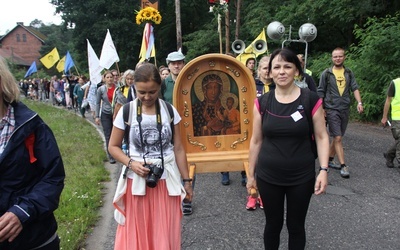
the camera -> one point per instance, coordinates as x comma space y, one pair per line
156, 171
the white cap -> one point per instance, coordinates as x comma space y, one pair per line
175, 56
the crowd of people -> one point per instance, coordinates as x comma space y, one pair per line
291, 115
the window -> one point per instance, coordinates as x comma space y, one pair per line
18, 38
24, 37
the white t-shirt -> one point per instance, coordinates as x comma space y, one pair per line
150, 134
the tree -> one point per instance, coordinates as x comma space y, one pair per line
178, 24
36, 23
376, 60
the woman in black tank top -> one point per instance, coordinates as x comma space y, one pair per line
281, 159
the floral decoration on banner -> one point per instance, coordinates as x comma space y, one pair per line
219, 8
148, 14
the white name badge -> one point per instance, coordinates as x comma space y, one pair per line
296, 116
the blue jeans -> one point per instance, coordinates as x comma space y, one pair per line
107, 124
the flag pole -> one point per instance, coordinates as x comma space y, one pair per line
119, 73
76, 70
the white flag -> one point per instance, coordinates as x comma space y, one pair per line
108, 54
94, 65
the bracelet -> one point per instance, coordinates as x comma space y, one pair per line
187, 180
324, 169
129, 163
360, 103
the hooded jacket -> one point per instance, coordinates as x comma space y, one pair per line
31, 179
329, 92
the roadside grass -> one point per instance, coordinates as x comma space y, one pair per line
82, 150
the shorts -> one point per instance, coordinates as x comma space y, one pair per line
337, 121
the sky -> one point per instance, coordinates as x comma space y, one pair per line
26, 11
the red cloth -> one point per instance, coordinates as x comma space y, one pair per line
29, 143
110, 93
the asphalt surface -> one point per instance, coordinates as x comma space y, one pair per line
361, 212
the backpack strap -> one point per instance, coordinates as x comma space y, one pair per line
168, 106
264, 102
127, 110
306, 101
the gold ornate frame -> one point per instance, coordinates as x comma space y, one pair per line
225, 152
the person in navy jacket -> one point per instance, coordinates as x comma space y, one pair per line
31, 173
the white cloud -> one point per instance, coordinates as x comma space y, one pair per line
26, 11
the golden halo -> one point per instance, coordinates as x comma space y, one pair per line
226, 87
225, 96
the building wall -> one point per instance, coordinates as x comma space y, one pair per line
23, 43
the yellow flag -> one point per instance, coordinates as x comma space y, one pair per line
61, 64
249, 51
50, 59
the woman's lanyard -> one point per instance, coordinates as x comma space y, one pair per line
159, 126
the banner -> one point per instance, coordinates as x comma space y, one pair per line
149, 3
69, 63
108, 54
32, 69
147, 49
94, 65
50, 59
60, 65
249, 51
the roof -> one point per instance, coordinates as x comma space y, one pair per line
30, 29
13, 57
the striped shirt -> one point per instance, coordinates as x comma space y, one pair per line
7, 125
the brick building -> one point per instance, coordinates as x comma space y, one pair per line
22, 44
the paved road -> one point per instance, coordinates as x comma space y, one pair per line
357, 213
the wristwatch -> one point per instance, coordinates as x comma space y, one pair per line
324, 169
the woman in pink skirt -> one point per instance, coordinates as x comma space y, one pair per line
150, 192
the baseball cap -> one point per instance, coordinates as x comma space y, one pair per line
175, 56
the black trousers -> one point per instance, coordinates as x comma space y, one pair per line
297, 202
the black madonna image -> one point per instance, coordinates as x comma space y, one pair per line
215, 109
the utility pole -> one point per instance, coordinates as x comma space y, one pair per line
238, 9
227, 25
178, 24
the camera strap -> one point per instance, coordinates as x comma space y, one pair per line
139, 119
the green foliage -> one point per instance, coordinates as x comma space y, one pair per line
205, 41
376, 60
85, 173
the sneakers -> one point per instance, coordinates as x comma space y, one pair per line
225, 178
187, 208
260, 203
251, 203
389, 162
344, 172
332, 164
